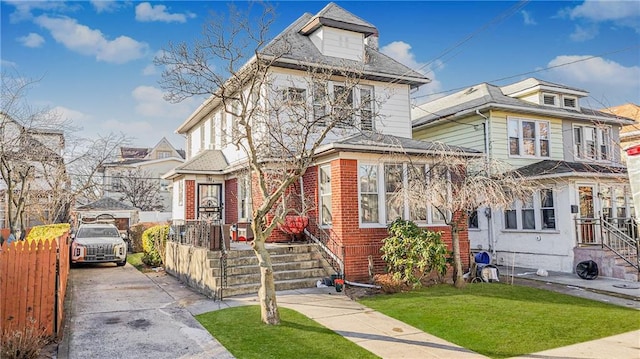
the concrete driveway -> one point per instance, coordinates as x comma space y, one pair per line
118, 312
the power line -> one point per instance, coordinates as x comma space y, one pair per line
535, 71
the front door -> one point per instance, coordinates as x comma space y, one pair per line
587, 222
210, 201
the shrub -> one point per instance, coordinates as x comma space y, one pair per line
153, 244
135, 235
389, 284
22, 344
411, 252
46, 232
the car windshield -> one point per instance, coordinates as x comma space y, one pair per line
97, 232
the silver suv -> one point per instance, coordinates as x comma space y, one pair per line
98, 243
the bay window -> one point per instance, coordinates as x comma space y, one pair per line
368, 179
325, 195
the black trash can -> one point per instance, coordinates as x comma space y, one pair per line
587, 270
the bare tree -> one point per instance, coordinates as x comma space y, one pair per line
275, 121
44, 167
140, 190
456, 183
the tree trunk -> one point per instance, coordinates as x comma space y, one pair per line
458, 280
267, 293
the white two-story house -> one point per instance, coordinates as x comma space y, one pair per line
540, 129
354, 171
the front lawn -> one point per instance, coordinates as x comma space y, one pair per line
240, 330
501, 321
135, 259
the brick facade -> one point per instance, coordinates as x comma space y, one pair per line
231, 200
190, 199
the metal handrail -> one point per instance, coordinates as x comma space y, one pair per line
621, 243
322, 239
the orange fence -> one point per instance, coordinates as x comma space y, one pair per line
33, 284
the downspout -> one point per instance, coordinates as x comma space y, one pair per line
487, 159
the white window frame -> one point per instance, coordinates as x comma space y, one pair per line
325, 197
367, 104
244, 196
356, 118
538, 140
382, 195
600, 142
536, 207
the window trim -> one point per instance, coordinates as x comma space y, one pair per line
598, 132
538, 140
570, 98
556, 99
323, 195
519, 208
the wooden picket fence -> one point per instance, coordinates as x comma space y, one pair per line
33, 284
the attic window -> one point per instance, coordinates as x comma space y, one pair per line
569, 102
548, 99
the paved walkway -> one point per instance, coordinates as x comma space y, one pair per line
389, 338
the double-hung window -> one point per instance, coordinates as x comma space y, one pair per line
591, 143
343, 105
319, 102
325, 195
368, 182
528, 137
366, 108
243, 198
223, 129
532, 214
394, 194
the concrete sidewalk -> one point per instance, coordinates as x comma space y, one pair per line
390, 338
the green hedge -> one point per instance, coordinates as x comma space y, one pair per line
153, 245
46, 232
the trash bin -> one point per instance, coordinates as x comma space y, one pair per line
487, 272
483, 257
587, 270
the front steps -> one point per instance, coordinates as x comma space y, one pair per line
295, 266
609, 264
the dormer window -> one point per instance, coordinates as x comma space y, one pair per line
569, 102
550, 99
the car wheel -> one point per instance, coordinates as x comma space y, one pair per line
120, 264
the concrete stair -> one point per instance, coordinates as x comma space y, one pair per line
295, 266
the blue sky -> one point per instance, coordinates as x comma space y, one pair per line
94, 59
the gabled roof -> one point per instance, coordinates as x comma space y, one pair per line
133, 152
532, 83
554, 169
205, 162
378, 143
106, 203
486, 96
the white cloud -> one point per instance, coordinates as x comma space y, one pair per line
24, 9
67, 114
401, 52
150, 103
528, 18
87, 41
150, 70
7, 63
608, 82
31, 40
105, 6
146, 12
591, 13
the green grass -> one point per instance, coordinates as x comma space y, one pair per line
135, 259
500, 321
241, 331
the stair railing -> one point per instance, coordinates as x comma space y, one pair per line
621, 242
325, 242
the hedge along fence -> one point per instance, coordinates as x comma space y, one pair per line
33, 283
154, 243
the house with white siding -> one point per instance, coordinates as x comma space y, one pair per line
583, 209
348, 182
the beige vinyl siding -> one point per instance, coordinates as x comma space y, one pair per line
466, 132
343, 44
500, 143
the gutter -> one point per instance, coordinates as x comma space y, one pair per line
360, 148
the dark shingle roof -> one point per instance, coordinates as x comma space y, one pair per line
485, 94
555, 168
380, 143
106, 203
301, 49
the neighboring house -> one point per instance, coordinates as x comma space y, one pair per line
629, 134
148, 164
124, 215
351, 174
38, 154
539, 128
